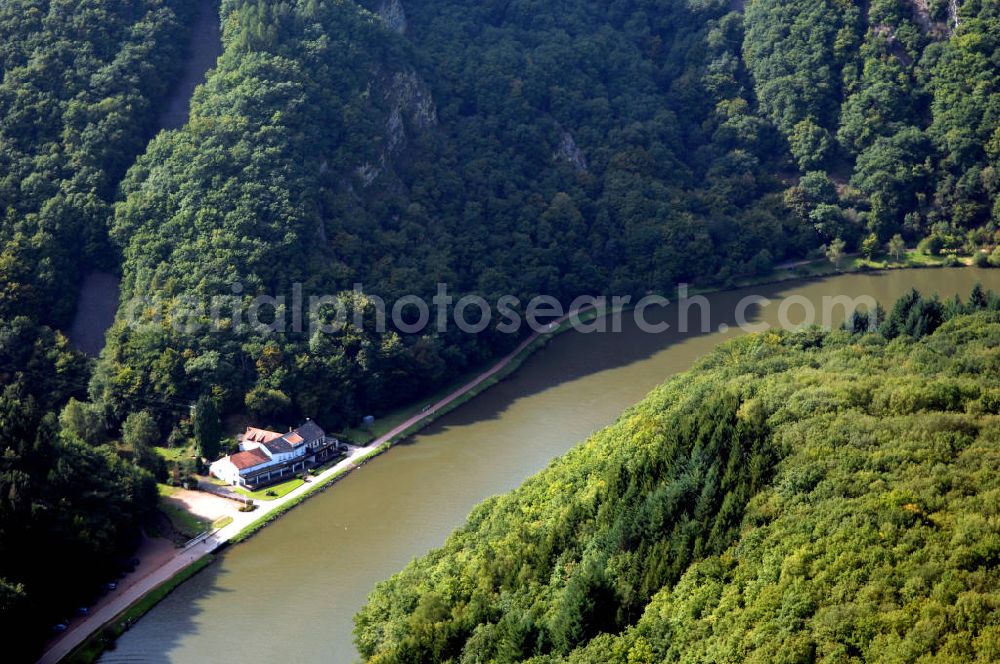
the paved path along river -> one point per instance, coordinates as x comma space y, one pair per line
123, 599
311, 570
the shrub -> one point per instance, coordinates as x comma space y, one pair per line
994, 259
931, 245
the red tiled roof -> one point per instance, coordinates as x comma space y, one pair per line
260, 435
249, 459
294, 439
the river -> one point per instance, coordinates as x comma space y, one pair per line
203, 52
99, 293
291, 591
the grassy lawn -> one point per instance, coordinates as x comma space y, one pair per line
911, 259
277, 491
184, 522
175, 453
221, 522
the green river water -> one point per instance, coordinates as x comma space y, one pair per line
289, 593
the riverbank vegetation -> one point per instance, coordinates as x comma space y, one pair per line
819, 494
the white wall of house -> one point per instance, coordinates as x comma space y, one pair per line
250, 445
225, 471
230, 474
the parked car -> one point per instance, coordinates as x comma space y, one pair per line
60, 627
82, 611
111, 585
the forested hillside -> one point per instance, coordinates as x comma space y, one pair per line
81, 85
522, 148
81, 81
899, 105
805, 496
561, 148
517, 147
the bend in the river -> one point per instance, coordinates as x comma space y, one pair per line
310, 571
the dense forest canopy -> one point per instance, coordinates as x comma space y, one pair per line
561, 148
81, 86
521, 148
799, 496
78, 100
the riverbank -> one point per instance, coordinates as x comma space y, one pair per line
95, 645
323, 558
250, 524
850, 264
78, 644
810, 269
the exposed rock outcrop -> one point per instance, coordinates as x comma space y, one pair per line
410, 108
408, 96
953, 14
895, 47
939, 28
393, 15
571, 153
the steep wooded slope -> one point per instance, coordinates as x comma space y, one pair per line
795, 497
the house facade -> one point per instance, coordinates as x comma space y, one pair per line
266, 457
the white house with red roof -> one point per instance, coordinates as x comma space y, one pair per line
266, 456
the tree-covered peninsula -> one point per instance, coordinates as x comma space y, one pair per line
796, 497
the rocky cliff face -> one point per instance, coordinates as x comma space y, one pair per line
953, 6
410, 110
410, 98
571, 153
938, 27
393, 15
398, 94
